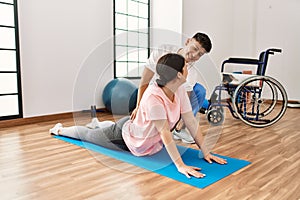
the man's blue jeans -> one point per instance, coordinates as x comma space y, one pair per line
197, 98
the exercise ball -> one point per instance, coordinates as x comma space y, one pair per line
119, 96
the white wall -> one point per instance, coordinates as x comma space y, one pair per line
213, 17
166, 22
278, 26
244, 28
56, 37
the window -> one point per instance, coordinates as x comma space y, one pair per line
131, 42
10, 80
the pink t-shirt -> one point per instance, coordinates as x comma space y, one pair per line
140, 135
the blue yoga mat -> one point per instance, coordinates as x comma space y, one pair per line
161, 163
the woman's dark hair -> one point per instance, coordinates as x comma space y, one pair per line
168, 66
204, 40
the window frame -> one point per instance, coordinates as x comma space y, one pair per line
18, 63
129, 46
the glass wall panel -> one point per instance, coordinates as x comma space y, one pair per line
131, 37
121, 69
121, 21
133, 55
143, 55
7, 15
8, 1
8, 83
10, 80
121, 6
133, 69
7, 60
133, 7
143, 40
143, 25
7, 38
143, 10
133, 23
9, 105
122, 38
121, 53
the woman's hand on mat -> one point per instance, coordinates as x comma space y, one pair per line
210, 158
190, 170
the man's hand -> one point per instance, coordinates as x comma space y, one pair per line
133, 114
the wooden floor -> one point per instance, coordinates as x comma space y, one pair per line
36, 166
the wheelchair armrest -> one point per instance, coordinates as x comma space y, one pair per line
240, 61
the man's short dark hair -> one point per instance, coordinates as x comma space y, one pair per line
204, 40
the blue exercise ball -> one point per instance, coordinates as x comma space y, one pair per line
120, 96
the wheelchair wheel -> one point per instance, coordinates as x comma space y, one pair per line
260, 101
215, 117
218, 108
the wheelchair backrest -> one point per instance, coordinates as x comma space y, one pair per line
263, 61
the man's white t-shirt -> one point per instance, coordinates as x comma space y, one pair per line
164, 49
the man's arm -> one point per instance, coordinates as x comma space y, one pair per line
145, 80
144, 83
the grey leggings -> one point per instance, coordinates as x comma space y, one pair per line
109, 136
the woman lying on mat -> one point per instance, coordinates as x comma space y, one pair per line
160, 109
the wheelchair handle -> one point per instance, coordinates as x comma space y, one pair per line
272, 51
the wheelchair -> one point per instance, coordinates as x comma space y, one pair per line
257, 100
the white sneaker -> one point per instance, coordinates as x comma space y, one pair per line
93, 124
55, 129
184, 136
